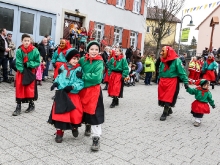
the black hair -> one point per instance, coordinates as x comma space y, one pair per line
2, 29
25, 36
9, 34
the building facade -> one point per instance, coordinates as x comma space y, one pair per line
121, 21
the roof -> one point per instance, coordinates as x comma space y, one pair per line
152, 13
207, 17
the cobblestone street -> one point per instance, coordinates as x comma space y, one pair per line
132, 132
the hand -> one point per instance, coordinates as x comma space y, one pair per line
213, 107
25, 65
79, 74
60, 71
67, 89
7, 50
186, 86
54, 86
54, 65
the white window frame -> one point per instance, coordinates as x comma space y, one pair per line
97, 30
122, 2
148, 29
133, 39
119, 34
137, 6
103, 1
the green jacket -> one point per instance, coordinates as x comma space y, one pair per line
149, 65
212, 66
92, 73
175, 70
33, 59
58, 57
121, 66
72, 80
207, 98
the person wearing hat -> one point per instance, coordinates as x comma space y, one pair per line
91, 96
68, 85
118, 70
203, 96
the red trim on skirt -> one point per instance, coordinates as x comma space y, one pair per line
74, 116
24, 92
89, 98
114, 86
200, 107
58, 65
209, 75
166, 89
106, 79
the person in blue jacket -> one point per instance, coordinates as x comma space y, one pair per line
67, 112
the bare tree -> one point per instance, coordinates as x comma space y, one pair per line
161, 16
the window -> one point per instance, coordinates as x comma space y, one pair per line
133, 39
148, 29
6, 18
117, 35
99, 32
103, 1
120, 3
136, 6
27, 23
45, 25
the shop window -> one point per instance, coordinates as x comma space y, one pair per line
45, 25
27, 23
6, 18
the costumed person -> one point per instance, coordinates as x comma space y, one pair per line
27, 60
203, 96
170, 71
208, 70
198, 70
201, 63
118, 70
132, 75
67, 112
39, 72
73, 35
192, 70
91, 96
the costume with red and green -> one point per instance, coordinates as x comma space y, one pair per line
31, 57
91, 95
118, 70
170, 70
208, 69
106, 79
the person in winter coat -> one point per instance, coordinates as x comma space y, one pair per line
68, 85
170, 71
129, 53
203, 96
149, 69
11, 53
118, 70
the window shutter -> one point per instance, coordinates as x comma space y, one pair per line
131, 4
114, 2
127, 4
142, 7
109, 2
107, 32
111, 39
125, 38
139, 41
91, 25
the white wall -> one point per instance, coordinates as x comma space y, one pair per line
93, 10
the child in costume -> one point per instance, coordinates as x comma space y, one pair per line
39, 73
118, 70
68, 82
91, 96
132, 75
58, 58
27, 60
192, 70
203, 96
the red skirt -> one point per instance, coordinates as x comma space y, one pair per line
24, 92
58, 65
200, 107
89, 98
106, 79
167, 89
192, 74
209, 75
197, 75
74, 116
115, 84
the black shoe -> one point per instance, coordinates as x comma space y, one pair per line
88, 130
170, 112
7, 81
17, 110
163, 117
75, 132
95, 143
106, 87
53, 97
116, 102
213, 86
113, 103
30, 108
59, 136
133, 84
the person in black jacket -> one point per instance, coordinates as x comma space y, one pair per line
82, 51
129, 53
157, 65
43, 48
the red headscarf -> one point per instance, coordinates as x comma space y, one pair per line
68, 46
26, 51
117, 58
171, 55
98, 57
209, 61
112, 54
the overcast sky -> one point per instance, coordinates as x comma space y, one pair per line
198, 16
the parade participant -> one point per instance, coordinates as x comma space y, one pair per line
27, 60
118, 70
39, 72
171, 69
198, 69
58, 58
192, 70
208, 70
68, 82
203, 96
91, 96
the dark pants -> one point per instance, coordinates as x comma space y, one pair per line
10, 64
4, 64
45, 73
148, 78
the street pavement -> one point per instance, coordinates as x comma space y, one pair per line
132, 132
